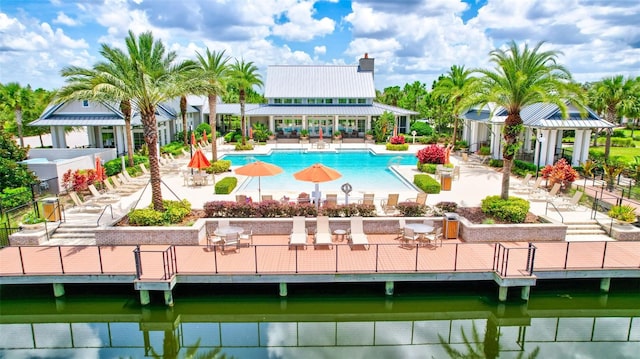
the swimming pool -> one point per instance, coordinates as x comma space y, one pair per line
364, 170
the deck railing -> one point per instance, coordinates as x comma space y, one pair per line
163, 262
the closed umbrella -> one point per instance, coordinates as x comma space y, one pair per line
395, 130
99, 170
258, 169
199, 160
205, 140
320, 133
317, 173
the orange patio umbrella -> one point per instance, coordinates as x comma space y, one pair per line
317, 173
99, 170
320, 133
258, 169
193, 139
199, 160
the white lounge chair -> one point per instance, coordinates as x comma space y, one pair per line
88, 206
546, 196
569, 203
356, 236
322, 237
389, 205
524, 184
299, 234
103, 197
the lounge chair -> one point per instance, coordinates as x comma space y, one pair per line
88, 206
129, 182
185, 153
524, 184
266, 197
322, 237
331, 201
304, 198
368, 198
535, 187
421, 198
389, 205
569, 203
356, 236
145, 171
121, 190
456, 173
546, 196
400, 228
134, 180
298, 236
102, 197
241, 198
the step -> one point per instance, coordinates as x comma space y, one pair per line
579, 232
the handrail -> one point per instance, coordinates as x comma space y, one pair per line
556, 208
102, 213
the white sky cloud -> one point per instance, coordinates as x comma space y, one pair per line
411, 40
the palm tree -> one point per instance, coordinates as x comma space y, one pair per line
244, 75
456, 85
213, 71
183, 114
125, 108
16, 97
521, 78
146, 76
615, 97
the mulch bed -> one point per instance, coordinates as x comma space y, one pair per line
475, 215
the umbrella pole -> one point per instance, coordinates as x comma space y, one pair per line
317, 195
259, 190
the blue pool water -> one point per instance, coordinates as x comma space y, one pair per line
364, 170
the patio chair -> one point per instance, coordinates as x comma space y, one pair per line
241, 198
356, 236
435, 237
123, 190
409, 238
389, 205
322, 237
368, 198
145, 171
523, 184
421, 198
546, 196
88, 206
456, 173
266, 197
213, 239
298, 236
569, 203
331, 201
120, 186
247, 236
102, 197
134, 180
304, 198
400, 228
185, 154
230, 240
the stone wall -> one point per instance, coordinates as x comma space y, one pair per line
528, 232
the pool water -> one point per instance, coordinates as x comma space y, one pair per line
363, 170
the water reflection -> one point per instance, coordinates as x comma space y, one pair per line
240, 327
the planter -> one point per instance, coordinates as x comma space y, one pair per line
32, 227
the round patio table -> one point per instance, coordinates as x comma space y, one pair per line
223, 231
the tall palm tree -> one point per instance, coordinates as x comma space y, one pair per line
16, 97
213, 71
615, 97
456, 85
183, 114
243, 76
146, 75
125, 108
522, 77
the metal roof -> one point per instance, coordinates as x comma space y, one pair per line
79, 120
347, 110
231, 108
320, 81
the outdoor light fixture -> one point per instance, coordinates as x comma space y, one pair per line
540, 142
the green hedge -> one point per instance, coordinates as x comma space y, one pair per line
427, 167
114, 166
219, 166
513, 210
427, 183
226, 185
15, 197
174, 213
399, 147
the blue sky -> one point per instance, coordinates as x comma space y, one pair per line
411, 40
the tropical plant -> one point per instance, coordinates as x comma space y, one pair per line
456, 85
146, 75
12, 173
32, 217
611, 173
522, 77
15, 98
623, 213
244, 75
431, 154
213, 71
304, 133
561, 172
615, 97
382, 125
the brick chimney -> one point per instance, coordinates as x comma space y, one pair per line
366, 64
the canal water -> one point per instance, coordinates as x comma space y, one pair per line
561, 320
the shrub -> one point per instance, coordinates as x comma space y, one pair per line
618, 133
15, 197
145, 217
78, 180
411, 209
444, 207
397, 140
174, 148
623, 213
226, 185
203, 127
219, 166
32, 217
484, 151
521, 168
421, 128
431, 154
561, 172
114, 166
175, 211
401, 147
427, 183
427, 167
349, 210
512, 210
496, 163
246, 147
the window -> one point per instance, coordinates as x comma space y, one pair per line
287, 100
85, 103
311, 101
342, 101
297, 101
352, 101
362, 101
277, 100
328, 101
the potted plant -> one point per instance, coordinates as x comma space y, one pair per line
304, 134
337, 135
623, 213
32, 222
369, 135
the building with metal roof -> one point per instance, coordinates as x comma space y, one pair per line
542, 136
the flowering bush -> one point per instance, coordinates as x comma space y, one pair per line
561, 172
431, 154
397, 140
79, 180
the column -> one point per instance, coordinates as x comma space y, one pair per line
58, 289
168, 298
54, 139
474, 136
502, 293
524, 294
144, 297
586, 142
62, 139
496, 141
335, 124
272, 124
577, 148
605, 285
465, 130
305, 125
283, 289
388, 288
527, 140
120, 138
549, 147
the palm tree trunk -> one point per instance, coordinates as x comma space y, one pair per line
151, 139
512, 129
213, 123
242, 119
183, 112
125, 108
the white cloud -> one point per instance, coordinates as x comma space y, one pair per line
301, 25
320, 50
64, 20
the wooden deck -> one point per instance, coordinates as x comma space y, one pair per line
271, 256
